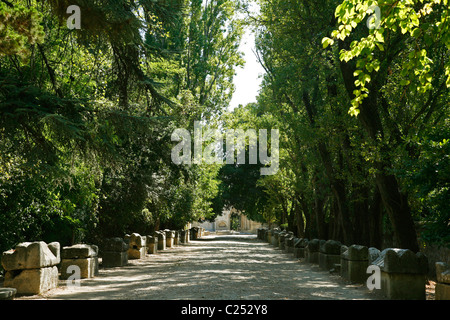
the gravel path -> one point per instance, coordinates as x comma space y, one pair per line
227, 267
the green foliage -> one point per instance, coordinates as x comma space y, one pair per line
334, 168
86, 119
19, 26
424, 23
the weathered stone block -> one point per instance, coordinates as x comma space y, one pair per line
152, 245
289, 242
112, 259
403, 286
194, 233
114, 253
402, 274
79, 251
31, 255
358, 253
32, 281
187, 236
329, 254
374, 253
354, 263
115, 245
170, 235
312, 251
183, 236
7, 293
405, 261
161, 240
281, 238
442, 272
176, 239
136, 253
442, 290
137, 241
88, 267
299, 248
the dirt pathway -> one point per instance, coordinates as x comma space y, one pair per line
233, 267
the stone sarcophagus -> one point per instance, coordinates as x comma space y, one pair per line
289, 242
275, 236
329, 254
161, 235
299, 247
152, 244
354, 263
114, 253
281, 238
403, 274
82, 256
177, 239
137, 246
170, 236
31, 268
443, 281
312, 251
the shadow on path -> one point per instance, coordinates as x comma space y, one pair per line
223, 267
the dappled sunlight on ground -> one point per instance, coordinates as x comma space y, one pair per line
226, 268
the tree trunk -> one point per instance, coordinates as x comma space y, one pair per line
394, 201
375, 221
300, 224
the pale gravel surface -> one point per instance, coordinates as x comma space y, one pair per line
225, 267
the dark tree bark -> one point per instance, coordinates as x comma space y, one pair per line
394, 201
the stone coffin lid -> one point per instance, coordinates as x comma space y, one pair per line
152, 239
443, 272
289, 241
331, 247
170, 233
313, 245
115, 245
31, 255
301, 243
137, 240
393, 260
374, 253
159, 234
79, 251
289, 235
357, 252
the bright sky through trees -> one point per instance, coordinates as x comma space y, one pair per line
247, 79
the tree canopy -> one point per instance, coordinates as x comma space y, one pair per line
358, 90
